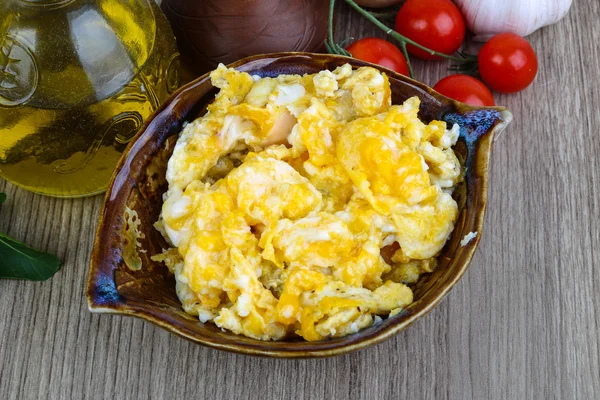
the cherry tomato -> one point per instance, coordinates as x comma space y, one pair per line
466, 89
379, 51
435, 24
507, 63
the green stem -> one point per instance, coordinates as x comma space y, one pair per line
331, 46
402, 39
384, 15
331, 12
405, 52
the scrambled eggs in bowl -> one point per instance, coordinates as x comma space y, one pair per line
304, 205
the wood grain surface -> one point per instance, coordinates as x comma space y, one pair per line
524, 323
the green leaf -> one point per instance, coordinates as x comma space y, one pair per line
19, 261
2, 197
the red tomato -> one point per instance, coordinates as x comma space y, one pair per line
466, 89
507, 63
435, 24
379, 51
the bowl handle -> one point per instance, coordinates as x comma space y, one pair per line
477, 123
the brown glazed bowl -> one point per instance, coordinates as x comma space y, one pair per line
124, 280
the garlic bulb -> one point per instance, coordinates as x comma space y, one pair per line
486, 18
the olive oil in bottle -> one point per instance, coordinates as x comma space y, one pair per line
77, 80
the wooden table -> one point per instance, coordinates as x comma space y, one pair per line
524, 323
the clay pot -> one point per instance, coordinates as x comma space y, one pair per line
222, 31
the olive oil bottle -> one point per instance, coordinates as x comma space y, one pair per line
77, 80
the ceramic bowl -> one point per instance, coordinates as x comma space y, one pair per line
124, 280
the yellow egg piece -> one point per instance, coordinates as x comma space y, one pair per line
303, 205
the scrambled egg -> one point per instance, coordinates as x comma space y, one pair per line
305, 204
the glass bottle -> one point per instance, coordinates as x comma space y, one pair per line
77, 80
